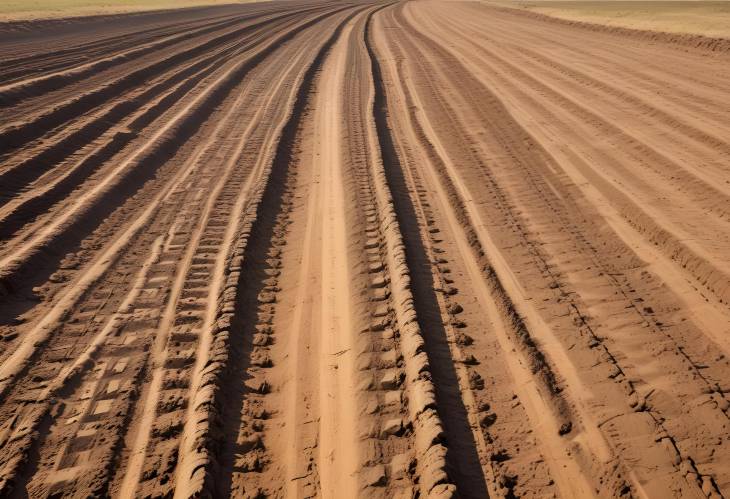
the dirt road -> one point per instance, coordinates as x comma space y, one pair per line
416, 249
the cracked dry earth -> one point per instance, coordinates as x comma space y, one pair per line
413, 249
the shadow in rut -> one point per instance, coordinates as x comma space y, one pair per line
462, 458
255, 265
16, 288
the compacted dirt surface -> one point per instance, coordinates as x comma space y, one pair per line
416, 249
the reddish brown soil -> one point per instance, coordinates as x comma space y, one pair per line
418, 249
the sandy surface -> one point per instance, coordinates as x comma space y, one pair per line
708, 18
420, 249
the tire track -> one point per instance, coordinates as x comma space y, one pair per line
682, 348
27, 60
49, 189
15, 91
662, 244
540, 394
165, 140
102, 118
199, 441
151, 209
462, 459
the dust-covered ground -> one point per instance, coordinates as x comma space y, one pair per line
414, 249
699, 17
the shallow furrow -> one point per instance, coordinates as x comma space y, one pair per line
679, 227
115, 116
99, 56
684, 338
32, 58
158, 147
91, 413
103, 87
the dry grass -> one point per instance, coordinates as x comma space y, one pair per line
709, 18
14, 10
